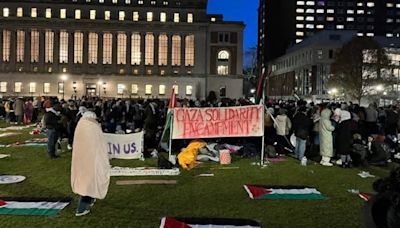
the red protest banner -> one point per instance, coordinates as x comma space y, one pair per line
244, 121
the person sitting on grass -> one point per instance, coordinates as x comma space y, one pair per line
378, 151
90, 166
383, 209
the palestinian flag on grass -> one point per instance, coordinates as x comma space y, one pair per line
168, 222
32, 206
282, 192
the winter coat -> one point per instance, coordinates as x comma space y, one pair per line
282, 125
371, 115
19, 107
302, 125
343, 137
325, 131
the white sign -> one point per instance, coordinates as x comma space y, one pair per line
243, 121
129, 146
143, 171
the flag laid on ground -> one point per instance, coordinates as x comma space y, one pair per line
365, 196
282, 192
169, 222
32, 206
166, 132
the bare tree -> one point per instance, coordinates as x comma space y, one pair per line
360, 66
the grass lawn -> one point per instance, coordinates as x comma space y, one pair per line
218, 196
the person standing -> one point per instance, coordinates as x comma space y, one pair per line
28, 110
282, 126
343, 139
325, 130
51, 121
19, 109
371, 118
302, 127
90, 166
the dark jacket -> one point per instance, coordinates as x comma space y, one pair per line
343, 137
51, 121
302, 125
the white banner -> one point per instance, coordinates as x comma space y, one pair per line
242, 121
129, 146
143, 171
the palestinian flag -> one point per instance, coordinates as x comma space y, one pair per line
168, 123
365, 196
282, 192
33, 206
168, 222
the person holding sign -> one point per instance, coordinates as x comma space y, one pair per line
90, 167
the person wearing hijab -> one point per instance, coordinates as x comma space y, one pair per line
90, 167
343, 139
326, 142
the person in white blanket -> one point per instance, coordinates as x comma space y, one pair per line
90, 167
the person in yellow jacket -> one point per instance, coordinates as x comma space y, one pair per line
7, 107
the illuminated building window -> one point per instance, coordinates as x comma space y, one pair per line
78, 47
63, 47
176, 89
120, 89
165, 3
176, 50
309, 18
135, 16
121, 15
32, 87
107, 48
161, 89
20, 45
163, 17
63, 13
300, 3
34, 12
223, 63
162, 50
350, 11
190, 18
34, 46
339, 26
6, 12
389, 34
176, 17
49, 46
6, 45
46, 87
93, 48
149, 16
3, 87
107, 15
310, 26
330, 11
300, 18
320, 26
149, 49
310, 11
310, 3
140, 2
48, 13
121, 48
134, 88
299, 25
189, 50
189, 90
92, 14
350, 19
299, 33
330, 18
370, 4
148, 89
360, 11
370, 34
136, 52
17, 87
77, 14
299, 10
320, 10
20, 12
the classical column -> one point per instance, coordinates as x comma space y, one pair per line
85, 49
100, 51
70, 50
128, 52
156, 47
13, 49
27, 47
1, 45
142, 48
42, 48
169, 54
183, 47
56, 48
114, 50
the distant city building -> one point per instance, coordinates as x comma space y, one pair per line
306, 67
124, 48
284, 23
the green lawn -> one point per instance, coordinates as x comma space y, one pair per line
218, 196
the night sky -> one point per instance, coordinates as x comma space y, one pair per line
238, 10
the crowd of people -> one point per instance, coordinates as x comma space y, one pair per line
343, 133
